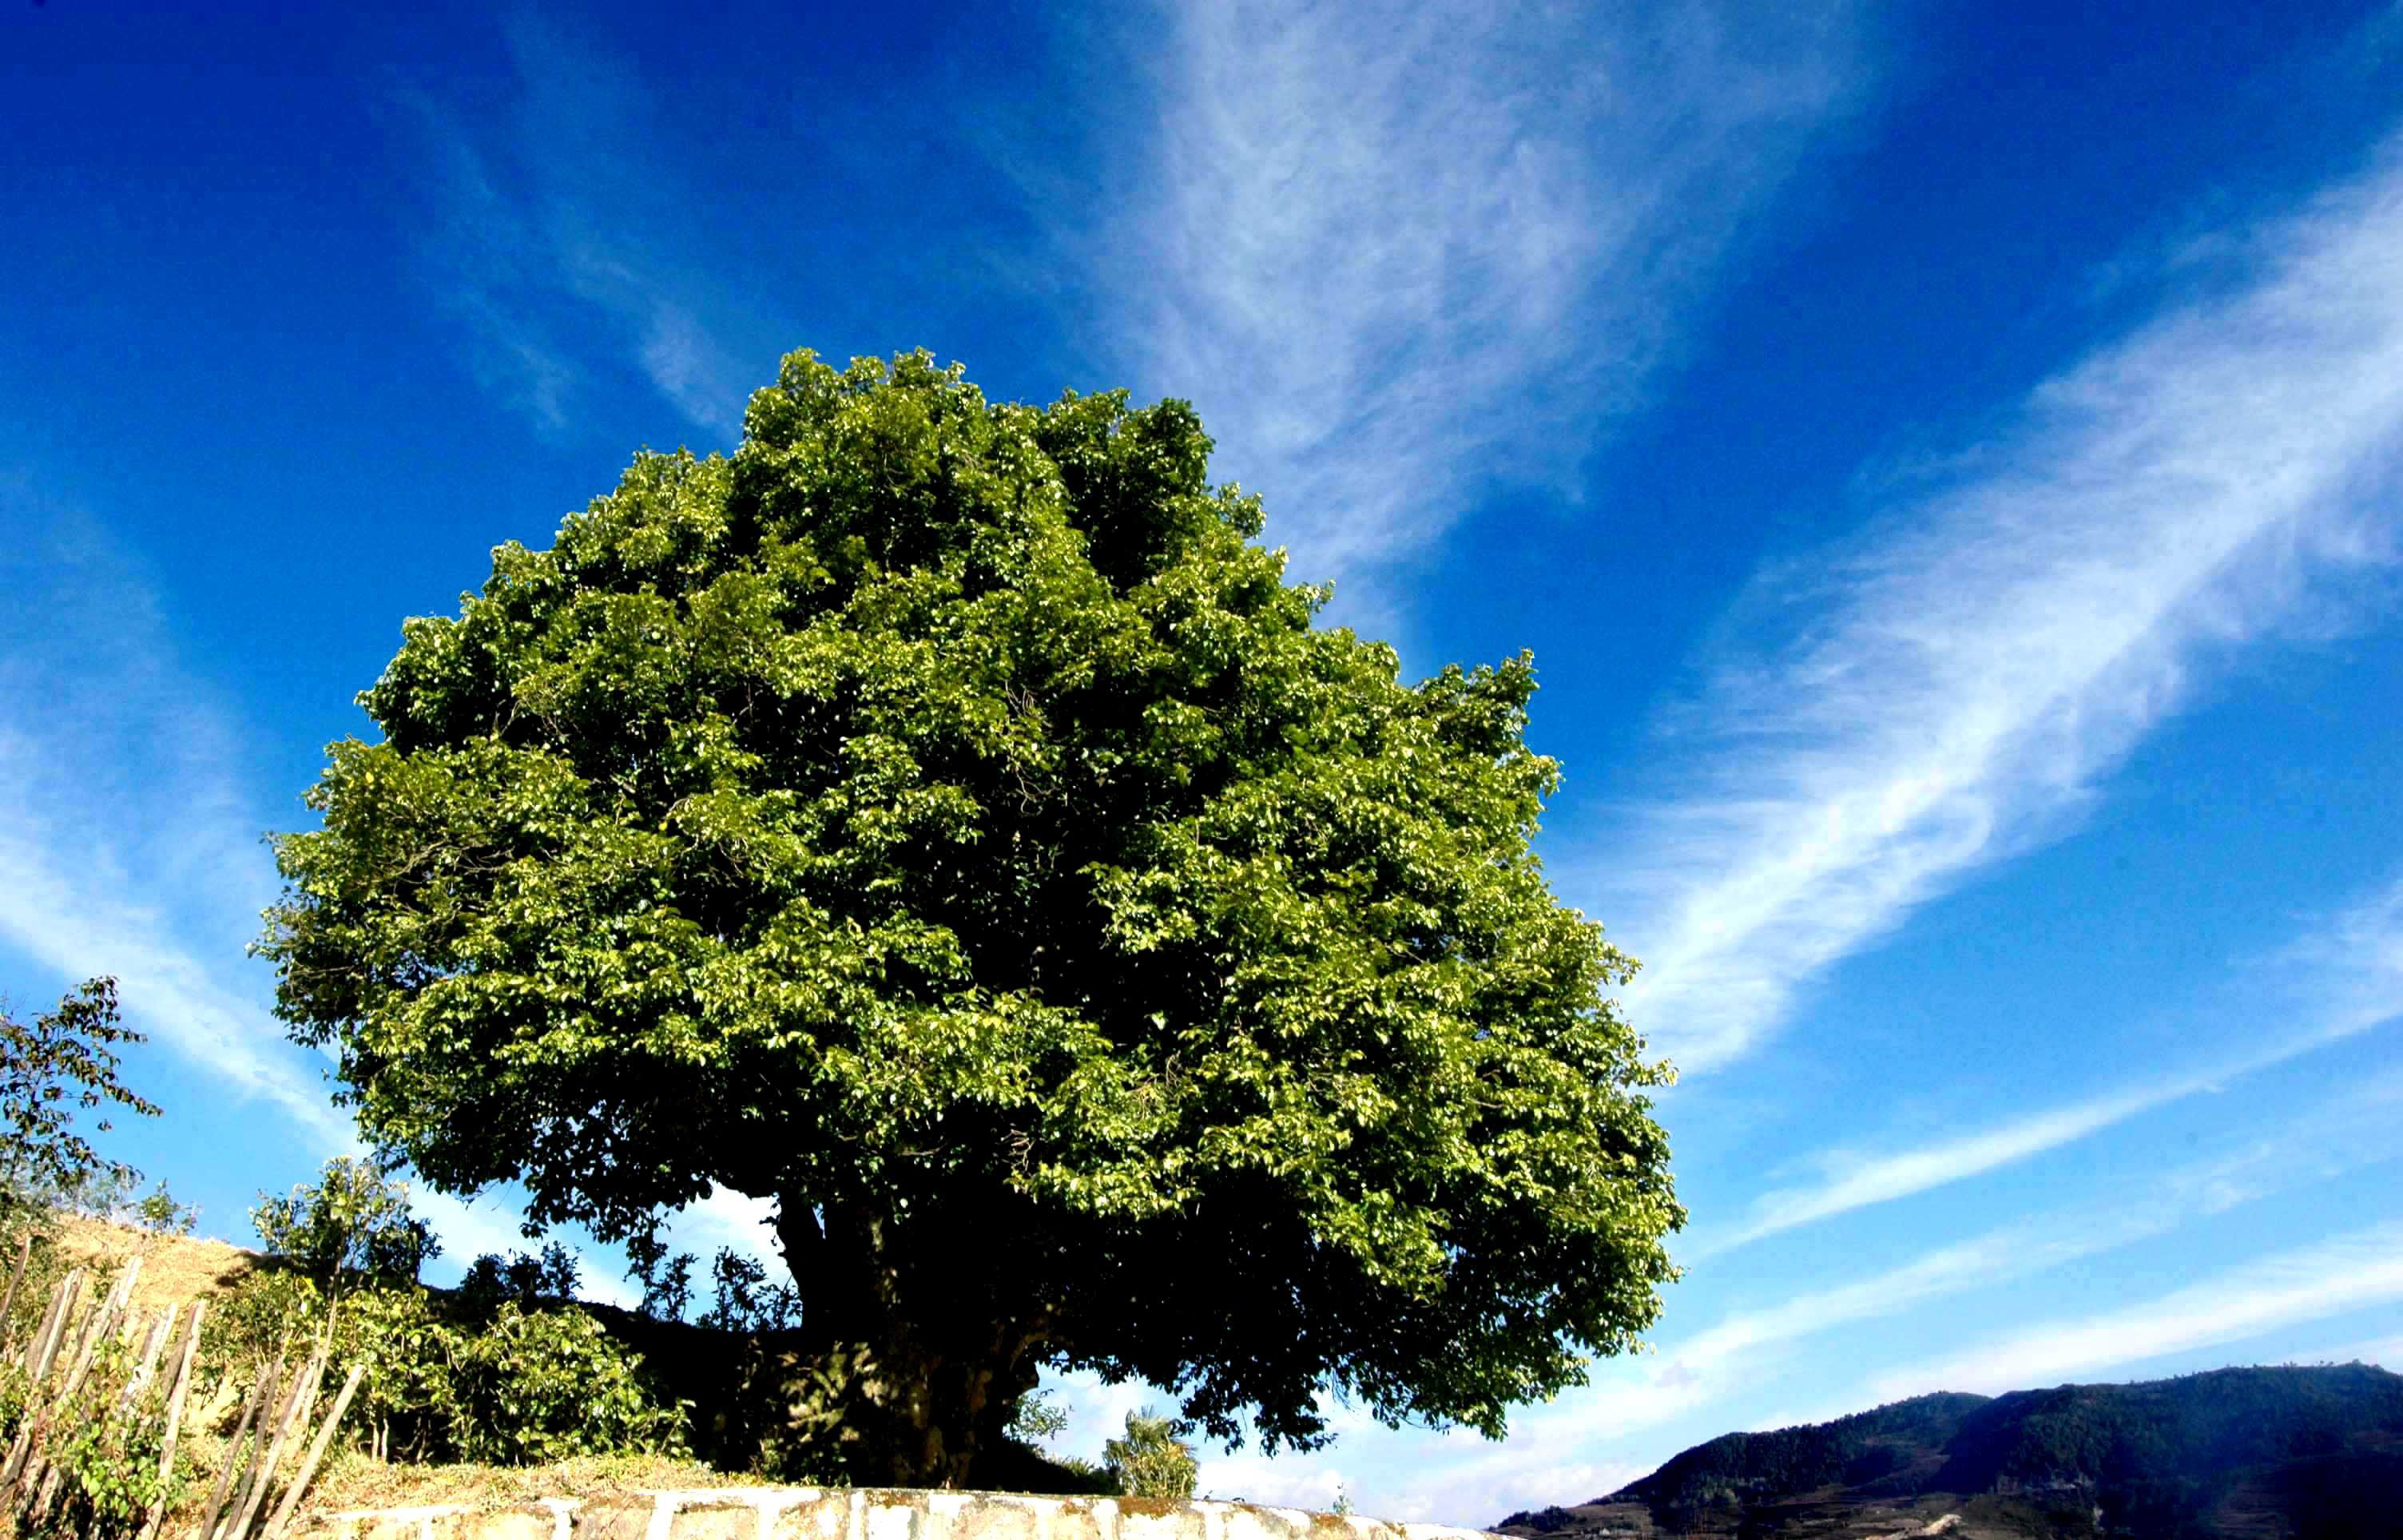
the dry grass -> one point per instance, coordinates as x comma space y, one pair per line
350, 1480
357, 1480
175, 1267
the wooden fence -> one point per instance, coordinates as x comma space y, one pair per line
102, 1359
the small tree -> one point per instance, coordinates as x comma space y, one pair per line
667, 1280
1040, 1418
161, 1213
942, 819
54, 1069
525, 1279
1152, 1460
350, 1227
744, 1301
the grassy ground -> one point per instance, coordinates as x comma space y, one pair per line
360, 1481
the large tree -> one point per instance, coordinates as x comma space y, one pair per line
940, 819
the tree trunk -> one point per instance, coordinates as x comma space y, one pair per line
905, 1373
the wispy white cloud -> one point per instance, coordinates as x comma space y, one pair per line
2360, 954
1958, 681
2344, 978
1857, 1181
1569, 1451
2363, 1127
168, 993
1748, 1348
726, 1220
1396, 254
2354, 1271
129, 844
546, 235
1574, 1449
2344, 1132
2019, 1250
2384, 1351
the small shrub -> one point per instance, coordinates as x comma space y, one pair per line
111, 1479
496, 1376
552, 1384
44, 1266
520, 1387
1151, 1461
160, 1214
106, 1451
1038, 1418
407, 1398
260, 1316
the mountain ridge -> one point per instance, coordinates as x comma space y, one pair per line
2294, 1452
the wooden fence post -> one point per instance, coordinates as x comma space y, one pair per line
46, 1346
325, 1439
176, 1394
96, 1330
139, 1381
260, 1393
304, 1390
24, 1260
44, 1350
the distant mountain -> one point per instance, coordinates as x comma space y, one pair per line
2244, 1454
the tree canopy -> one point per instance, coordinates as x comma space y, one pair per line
941, 819
54, 1069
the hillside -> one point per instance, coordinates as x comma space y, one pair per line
2295, 1453
707, 1368
175, 1267
2244, 1453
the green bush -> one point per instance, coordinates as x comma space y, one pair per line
529, 1280
1038, 1418
506, 1371
1151, 1461
405, 1400
745, 1300
523, 1387
44, 1266
111, 1480
551, 1384
58, 1081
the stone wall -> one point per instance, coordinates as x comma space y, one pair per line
810, 1513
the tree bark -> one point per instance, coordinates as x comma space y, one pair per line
925, 1369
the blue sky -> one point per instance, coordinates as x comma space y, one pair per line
1944, 458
